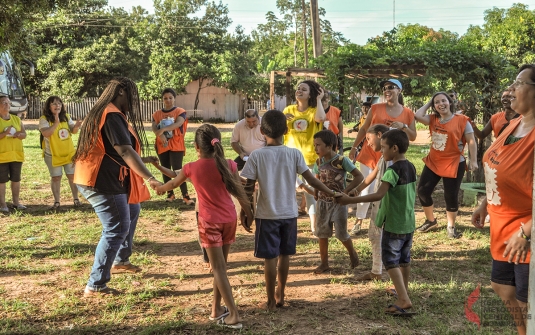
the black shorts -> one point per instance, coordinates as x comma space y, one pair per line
275, 237
511, 274
10, 171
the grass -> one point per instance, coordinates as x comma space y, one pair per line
46, 257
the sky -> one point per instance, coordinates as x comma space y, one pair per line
359, 20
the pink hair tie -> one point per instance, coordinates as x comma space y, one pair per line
214, 141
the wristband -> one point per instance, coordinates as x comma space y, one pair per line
523, 235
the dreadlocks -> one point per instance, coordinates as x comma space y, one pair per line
90, 128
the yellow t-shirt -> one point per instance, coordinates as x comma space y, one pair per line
11, 148
60, 144
301, 130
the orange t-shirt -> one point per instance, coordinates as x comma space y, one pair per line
175, 143
444, 154
497, 121
509, 184
333, 116
369, 157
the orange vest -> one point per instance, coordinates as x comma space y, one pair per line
509, 184
369, 157
176, 143
333, 116
86, 170
497, 121
444, 154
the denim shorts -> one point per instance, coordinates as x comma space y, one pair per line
511, 274
275, 237
396, 249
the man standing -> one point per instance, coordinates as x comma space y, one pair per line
246, 137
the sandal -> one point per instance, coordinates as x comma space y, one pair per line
54, 207
76, 203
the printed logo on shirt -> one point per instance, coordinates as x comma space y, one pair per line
301, 125
439, 141
63, 134
493, 195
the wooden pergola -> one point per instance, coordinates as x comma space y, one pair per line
366, 72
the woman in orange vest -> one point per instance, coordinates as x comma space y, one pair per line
508, 165
449, 134
11, 154
391, 113
111, 175
56, 127
333, 121
169, 124
499, 121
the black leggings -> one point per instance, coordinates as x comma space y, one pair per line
428, 182
173, 160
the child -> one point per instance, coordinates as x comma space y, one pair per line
396, 215
331, 170
275, 167
214, 178
373, 137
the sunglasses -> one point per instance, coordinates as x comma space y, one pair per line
389, 87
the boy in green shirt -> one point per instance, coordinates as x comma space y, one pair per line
397, 193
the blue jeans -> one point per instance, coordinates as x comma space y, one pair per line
396, 249
119, 220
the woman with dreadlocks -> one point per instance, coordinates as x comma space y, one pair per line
111, 175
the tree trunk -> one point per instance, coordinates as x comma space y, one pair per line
305, 32
198, 92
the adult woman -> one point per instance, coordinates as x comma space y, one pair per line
303, 121
449, 134
109, 174
56, 127
11, 154
391, 113
333, 121
169, 124
508, 165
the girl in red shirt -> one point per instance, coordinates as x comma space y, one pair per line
215, 179
449, 134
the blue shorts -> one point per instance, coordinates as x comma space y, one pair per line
510, 274
396, 249
275, 237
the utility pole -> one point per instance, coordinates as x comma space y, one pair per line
305, 32
316, 32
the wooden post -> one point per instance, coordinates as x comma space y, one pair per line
272, 89
316, 32
530, 322
288, 88
305, 32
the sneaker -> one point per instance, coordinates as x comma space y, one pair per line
187, 200
126, 268
19, 207
102, 293
453, 233
170, 198
355, 230
4, 210
427, 226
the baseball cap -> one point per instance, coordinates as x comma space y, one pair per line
393, 81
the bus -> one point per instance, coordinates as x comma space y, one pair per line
11, 83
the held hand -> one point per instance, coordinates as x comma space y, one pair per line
343, 199
245, 221
151, 159
517, 248
473, 166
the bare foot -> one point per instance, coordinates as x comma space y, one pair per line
267, 307
321, 269
369, 276
279, 297
354, 260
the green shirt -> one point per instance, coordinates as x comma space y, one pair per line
396, 213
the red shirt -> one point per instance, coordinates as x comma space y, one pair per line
369, 157
509, 184
215, 204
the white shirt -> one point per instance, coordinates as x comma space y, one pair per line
249, 139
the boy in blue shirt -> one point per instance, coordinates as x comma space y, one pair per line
331, 169
397, 193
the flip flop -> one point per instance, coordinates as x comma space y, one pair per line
392, 292
225, 313
221, 322
399, 311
